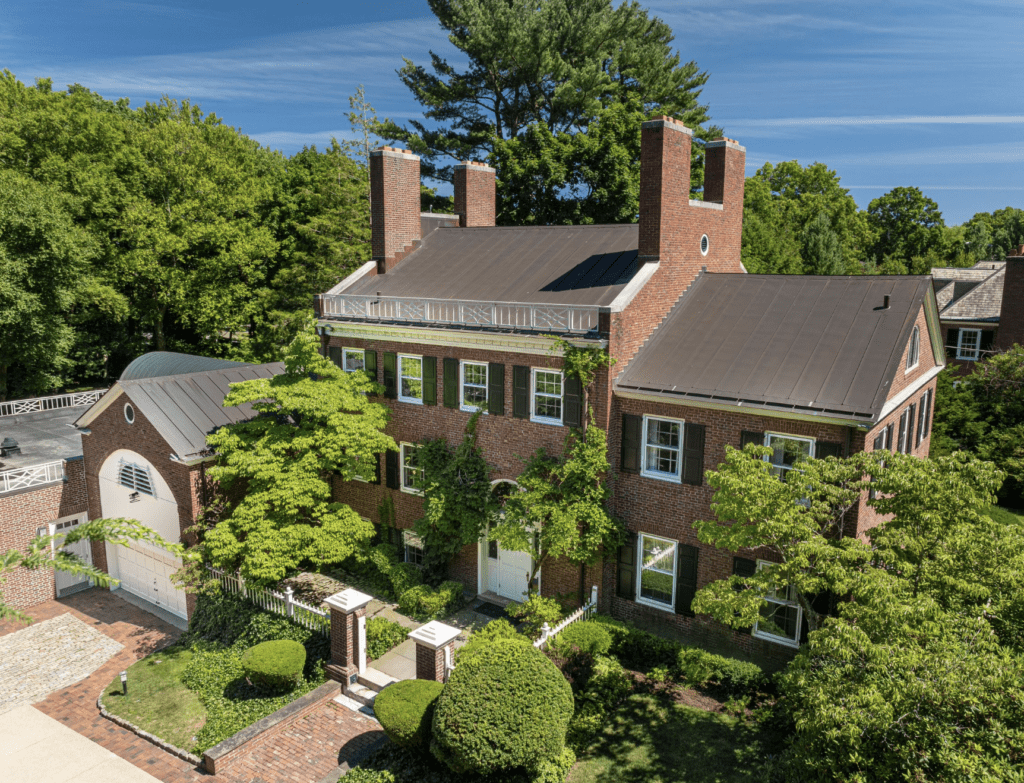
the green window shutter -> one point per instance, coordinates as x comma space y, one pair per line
686, 578
451, 383
889, 437
334, 354
430, 380
985, 346
370, 364
879, 443
521, 392
693, 454
573, 400
744, 567
823, 449
625, 580
927, 412
952, 337
911, 413
375, 479
757, 438
392, 477
391, 375
496, 389
629, 461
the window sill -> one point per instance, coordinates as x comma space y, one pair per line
776, 639
656, 605
967, 358
408, 491
410, 400
542, 420
671, 478
472, 409
911, 369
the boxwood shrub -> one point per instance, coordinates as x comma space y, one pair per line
276, 665
494, 630
405, 710
587, 637
424, 602
506, 706
737, 678
360, 775
383, 634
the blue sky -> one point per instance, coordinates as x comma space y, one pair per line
886, 93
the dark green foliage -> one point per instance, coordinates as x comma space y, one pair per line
405, 710
733, 677
274, 666
587, 637
505, 707
638, 649
399, 577
381, 635
599, 684
494, 630
409, 765
907, 225
534, 612
823, 255
425, 603
361, 775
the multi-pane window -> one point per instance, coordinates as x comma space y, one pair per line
914, 351
968, 344
410, 379
474, 386
353, 359
662, 448
781, 617
365, 470
412, 473
787, 450
413, 548
657, 571
547, 396
135, 477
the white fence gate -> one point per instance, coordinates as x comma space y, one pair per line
285, 603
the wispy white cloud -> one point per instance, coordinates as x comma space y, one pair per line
870, 120
966, 154
926, 188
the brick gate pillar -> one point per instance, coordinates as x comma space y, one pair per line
435, 650
348, 635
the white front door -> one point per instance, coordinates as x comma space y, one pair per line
71, 583
508, 572
146, 572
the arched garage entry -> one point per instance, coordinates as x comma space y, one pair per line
131, 487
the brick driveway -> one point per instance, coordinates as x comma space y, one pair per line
307, 751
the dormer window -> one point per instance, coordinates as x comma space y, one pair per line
914, 349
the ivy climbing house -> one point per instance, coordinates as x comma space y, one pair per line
455, 316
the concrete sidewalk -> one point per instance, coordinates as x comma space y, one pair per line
35, 748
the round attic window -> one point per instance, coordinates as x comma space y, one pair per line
129, 413
704, 245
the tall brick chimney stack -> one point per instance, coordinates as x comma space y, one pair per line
664, 186
474, 194
394, 205
1011, 312
724, 172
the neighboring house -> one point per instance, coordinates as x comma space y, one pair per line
452, 319
981, 308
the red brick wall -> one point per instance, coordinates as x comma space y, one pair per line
395, 202
926, 360
474, 194
1011, 314
21, 513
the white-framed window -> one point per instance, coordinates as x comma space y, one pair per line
413, 547
782, 617
914, 351
548, 387
472, 386
663, 449
365, 473
412, 473
656, 577
787, 450
968, 344
353, 359
136, 478
410, 379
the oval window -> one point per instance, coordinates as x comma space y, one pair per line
704, 245
129, 413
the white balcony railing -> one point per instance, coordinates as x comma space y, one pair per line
32, 476
74, 400
454, 312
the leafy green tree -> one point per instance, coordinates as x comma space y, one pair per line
50, 552
822, 252
993, 235
313, 421
907, 224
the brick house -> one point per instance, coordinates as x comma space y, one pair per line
981, 308
455, 318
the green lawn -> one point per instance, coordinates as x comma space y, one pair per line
652, 740
1006, 516
157, 701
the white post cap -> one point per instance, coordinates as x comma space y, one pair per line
434, 634
348, 601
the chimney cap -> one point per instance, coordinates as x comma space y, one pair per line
1017, 251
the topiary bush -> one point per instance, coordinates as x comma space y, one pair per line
360, 775
494, 630
424, 602
735, 677
381, 635
534, 612
405, 710
275, 665
506, 706
587, 637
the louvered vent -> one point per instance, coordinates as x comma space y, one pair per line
135, 477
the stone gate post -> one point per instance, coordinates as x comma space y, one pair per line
348, 635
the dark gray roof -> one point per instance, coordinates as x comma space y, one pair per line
579, 265
973, 294
185, 408
783, 342
431, 220
44, 436
159, 363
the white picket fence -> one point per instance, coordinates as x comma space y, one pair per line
74, 400
583, 613
32, 476
285, 603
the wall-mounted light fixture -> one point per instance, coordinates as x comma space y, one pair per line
133, 498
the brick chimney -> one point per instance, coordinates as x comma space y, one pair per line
394, 205
664, 186
474, 194
724, 175
1011, 312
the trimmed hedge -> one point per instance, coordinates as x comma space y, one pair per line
360, 775
494, 630
405, 710
275, 665
699, 667
506, 706
424, 602
587, 637
381, 635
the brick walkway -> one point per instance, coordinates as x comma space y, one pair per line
304, 753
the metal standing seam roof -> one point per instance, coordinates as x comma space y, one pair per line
570, 265
159, 363
783, 342
184, 409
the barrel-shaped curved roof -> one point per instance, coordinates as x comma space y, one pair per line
159, 364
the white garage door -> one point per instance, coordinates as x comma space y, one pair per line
147, 573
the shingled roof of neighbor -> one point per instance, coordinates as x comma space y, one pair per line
805, 344
972, 294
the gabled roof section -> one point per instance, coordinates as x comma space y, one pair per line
185, 408
159, 363
974, 296
798, 344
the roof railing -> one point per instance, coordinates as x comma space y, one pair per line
73, 400
32, 476
515, 316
